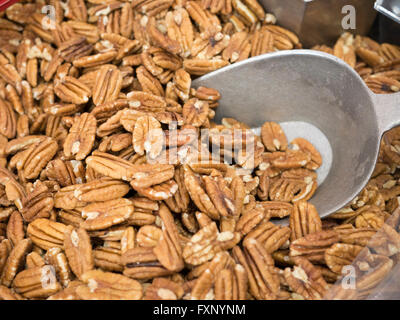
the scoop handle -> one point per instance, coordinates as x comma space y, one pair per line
387, 109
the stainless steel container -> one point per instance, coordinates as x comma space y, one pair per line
389, 20
320, 21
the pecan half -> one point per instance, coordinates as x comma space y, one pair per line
259, 265
148, 236
8, 122
142, 263
78, 250
47, 234
75, 48
102, 215
203, 287
206, 243
306, 146
195, 112
386, 241
68, 293
306, 280
341, 254
273, 137
34, 259
287, 189
107, 85
148, 136
304, 220
313, 246
250, 219
164, 289
15, 261
15, 228
277, 209
199, 67
359, 236
101, 285
7, 294
110, 165
271, 236
179, 202
56, 258
163, 191
108, 258
80, 139
38, 203
70, 89
221, 196
344, 49
32, 160
168, 249
231, 284
78, 195
374, 272
147, 175
38, 282
195, 187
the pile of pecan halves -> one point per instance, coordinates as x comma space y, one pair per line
110, 187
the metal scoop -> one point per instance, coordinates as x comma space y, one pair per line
318, 97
